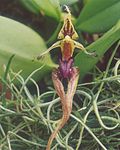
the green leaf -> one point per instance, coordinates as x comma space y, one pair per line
30, 5
4, 86
18, 39
85, 2
99, 15
50, 8
85, 62
67, 2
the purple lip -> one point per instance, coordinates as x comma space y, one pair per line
65, 68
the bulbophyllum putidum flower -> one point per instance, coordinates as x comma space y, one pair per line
66, 98
66, 70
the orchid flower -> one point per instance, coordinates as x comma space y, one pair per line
66, 70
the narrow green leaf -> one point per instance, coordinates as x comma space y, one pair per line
67, 2
8, 67
49, 7
99, 15
18, 39
4, 86
30, 5
85, 62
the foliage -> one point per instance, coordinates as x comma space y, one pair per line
99, 16
24, 43
18, 39
100, 46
